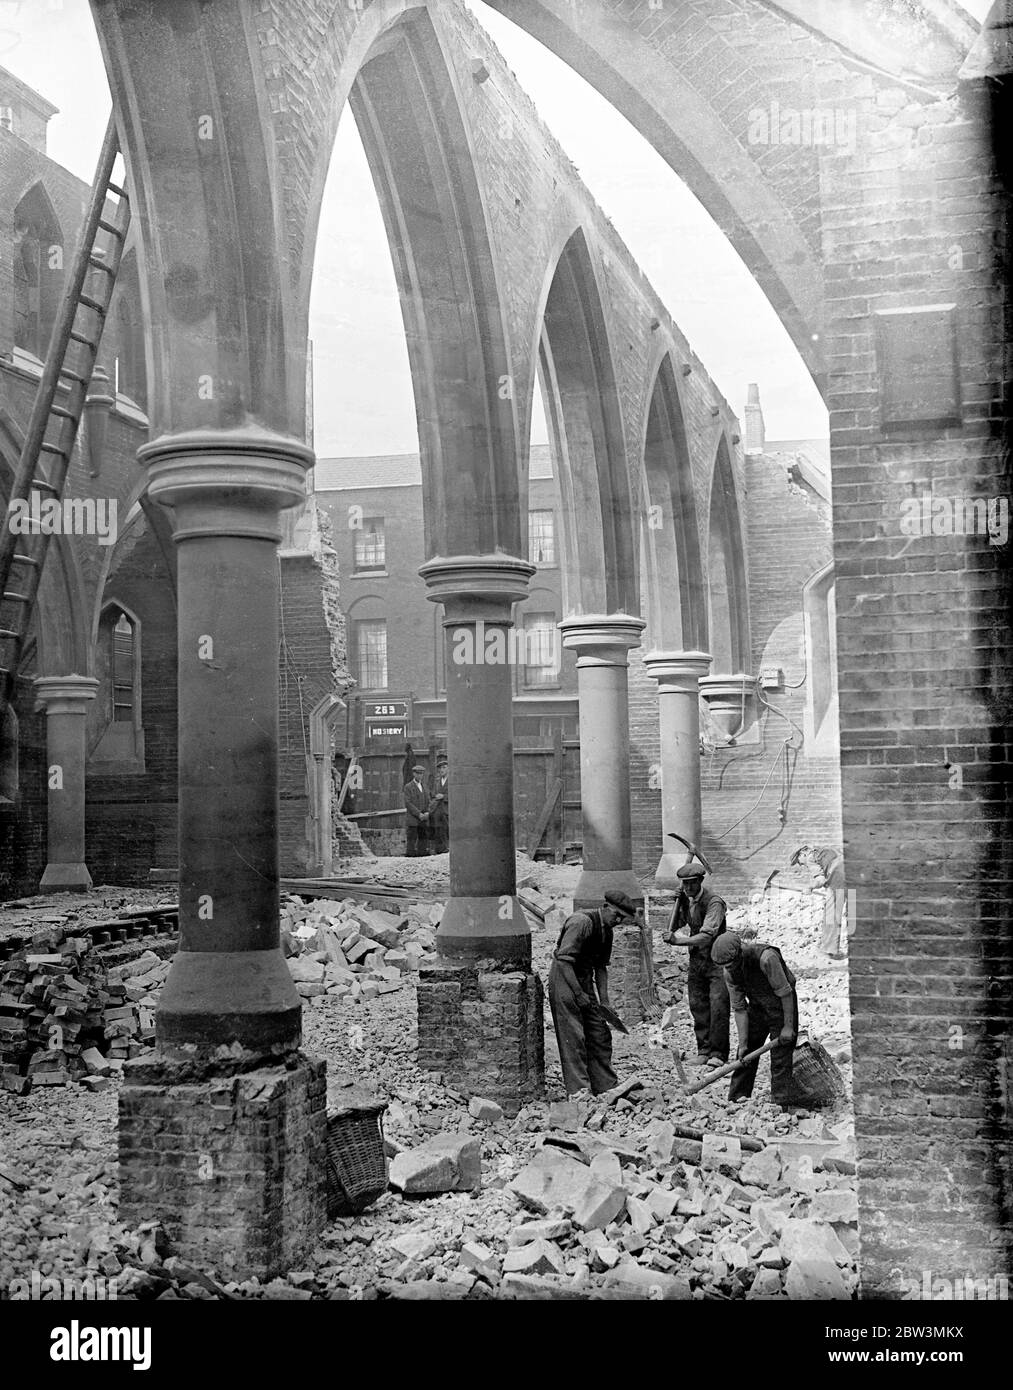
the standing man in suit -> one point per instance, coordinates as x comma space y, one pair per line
416, 805
439, 816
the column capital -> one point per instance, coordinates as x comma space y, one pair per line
64, 694
602, 639
477, 586
679, 672
227, 482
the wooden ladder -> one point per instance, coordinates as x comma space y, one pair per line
52, 428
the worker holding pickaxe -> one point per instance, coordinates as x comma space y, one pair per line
762, 993
697, 922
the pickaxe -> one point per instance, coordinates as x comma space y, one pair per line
694, 853
718, 1072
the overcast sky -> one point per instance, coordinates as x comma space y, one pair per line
363, 398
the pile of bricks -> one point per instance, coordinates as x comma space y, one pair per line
66, 1015
344, 948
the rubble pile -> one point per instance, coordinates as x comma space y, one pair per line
342, 948
67, 1015
645, 1193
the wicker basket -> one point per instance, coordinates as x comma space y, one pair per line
816, 1082
356, 1163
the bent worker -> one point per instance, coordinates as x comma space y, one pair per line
578, 987
827, 868
762, 993
416, 805
699, 918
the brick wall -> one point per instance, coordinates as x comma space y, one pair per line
233, 1165
917, 216
788, 542
398, 594
131, 818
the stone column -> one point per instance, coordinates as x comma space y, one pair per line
480, 1010
228, 984
678, 675
65, 700
602, 645
483, 917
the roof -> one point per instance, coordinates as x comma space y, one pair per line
26, 94
356, 472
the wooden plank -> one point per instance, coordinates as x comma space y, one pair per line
353, 763
543, 817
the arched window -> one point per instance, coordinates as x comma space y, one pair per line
117, 731
38, 271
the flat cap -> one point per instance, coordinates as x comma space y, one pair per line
726, 948
622, 903
419, 767
692, 870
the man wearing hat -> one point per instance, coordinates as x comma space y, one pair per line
439, 815
582, 955
416, 805
701, 913
762, 993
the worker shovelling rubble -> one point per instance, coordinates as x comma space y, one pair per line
727, 973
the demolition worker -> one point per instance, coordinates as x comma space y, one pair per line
416, 805
439, 815
579, 972
762, 993
700, 912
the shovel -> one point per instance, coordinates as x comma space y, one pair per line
727, 1070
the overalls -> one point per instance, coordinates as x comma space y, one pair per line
582, 1035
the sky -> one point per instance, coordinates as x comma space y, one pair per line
363, 400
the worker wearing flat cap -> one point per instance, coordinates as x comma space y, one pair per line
416, 805
762, 993
697, 922
578, 987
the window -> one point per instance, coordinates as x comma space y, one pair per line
38, 271
370, 548
121, 666
541, 654
116, 733
371, 653
541, 538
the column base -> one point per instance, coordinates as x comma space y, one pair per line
215, 999
593, 884
474, 929
233, 1166
65, 878
484, 1031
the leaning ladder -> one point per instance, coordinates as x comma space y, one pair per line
52, 428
